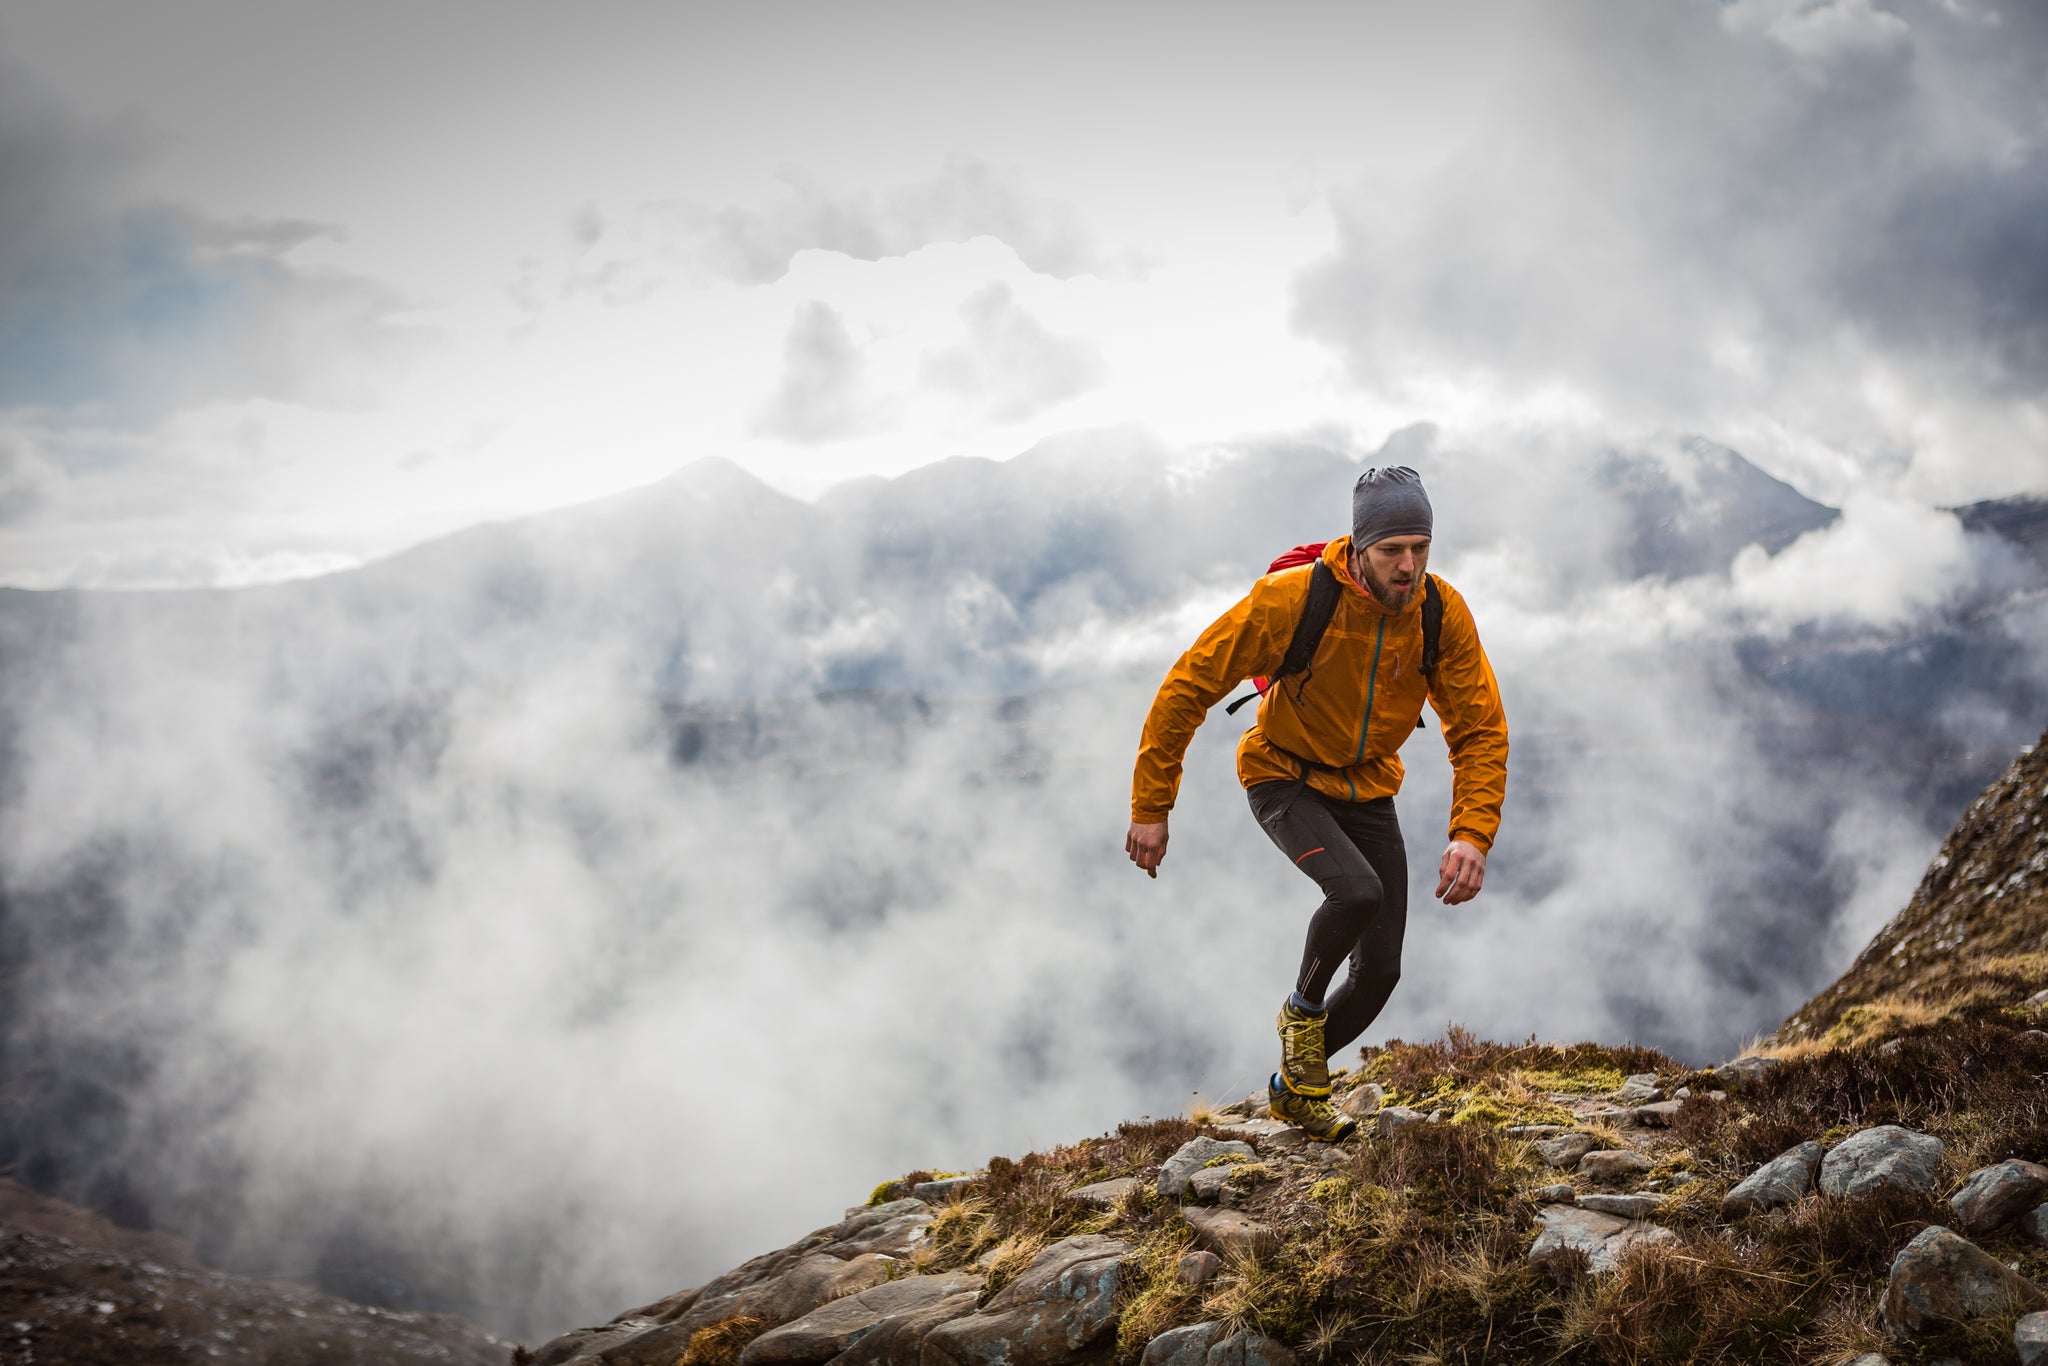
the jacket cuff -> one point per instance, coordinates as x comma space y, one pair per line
1483, 843
1140, 816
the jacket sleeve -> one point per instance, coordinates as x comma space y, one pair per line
1466, 696
1249, 640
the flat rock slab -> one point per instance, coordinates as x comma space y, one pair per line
900, 1338
1060, 1304
1623, 1206
1943, 1277
819, 1278
1230, 1234
1886, 1155
832, 1328
1616, 1164
1105, 1194
1783, 1180
1565, 1150
1191, 1157
1602, 1237
1994, 1196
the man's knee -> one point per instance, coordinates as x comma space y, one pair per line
1357, 895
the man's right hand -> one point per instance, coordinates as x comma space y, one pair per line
1146, 844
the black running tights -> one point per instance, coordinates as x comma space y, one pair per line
1354, 852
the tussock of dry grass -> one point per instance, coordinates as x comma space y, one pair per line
720, 1343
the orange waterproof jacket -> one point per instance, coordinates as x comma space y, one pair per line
1352, 710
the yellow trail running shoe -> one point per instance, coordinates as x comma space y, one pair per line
1315, 1116
1303, 1068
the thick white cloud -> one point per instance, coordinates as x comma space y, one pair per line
1814, 230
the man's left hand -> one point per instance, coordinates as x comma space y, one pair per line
1461, 874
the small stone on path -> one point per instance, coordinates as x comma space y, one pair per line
1104, 1194
1565, 1150
1784, 1179
1622, 1206
1614, 1165
1197, 1268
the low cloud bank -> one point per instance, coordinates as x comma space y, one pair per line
551, 916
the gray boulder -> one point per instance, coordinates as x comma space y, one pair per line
1059, 1305
1638, 1089
1210, 1185
1994, 1196
1190, 1158
2034, 1223
1560, 1194
1783, 1180
1204, 1344
1565, 1150
1185, 1346
2030, 1336
833, 1328
1229, 1234
1659, 1114
1886, 1155
1197, 1268
1601, 1237
1942, 1277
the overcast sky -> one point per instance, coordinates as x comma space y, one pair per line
284, 286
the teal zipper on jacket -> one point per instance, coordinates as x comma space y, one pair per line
1372, 684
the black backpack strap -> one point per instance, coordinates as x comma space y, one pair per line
1432, 623
1323, 594
1432, 631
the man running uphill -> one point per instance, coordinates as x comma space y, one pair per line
1321, 765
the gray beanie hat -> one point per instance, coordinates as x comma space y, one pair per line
1388, 502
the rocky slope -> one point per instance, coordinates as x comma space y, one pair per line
1975, 930
77, 1290
1868, 1187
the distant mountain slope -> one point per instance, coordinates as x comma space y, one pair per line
1975, 932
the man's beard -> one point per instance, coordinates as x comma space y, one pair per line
1389, 597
